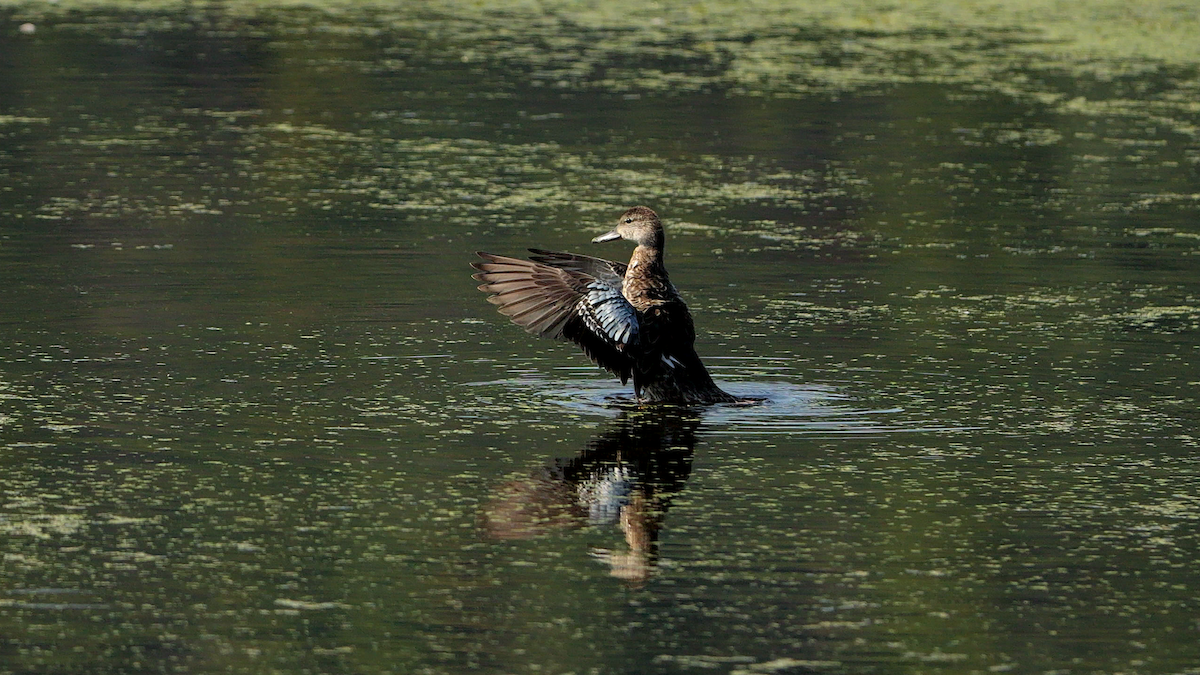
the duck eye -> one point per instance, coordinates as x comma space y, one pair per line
629, 220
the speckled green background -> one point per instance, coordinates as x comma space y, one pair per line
255, 417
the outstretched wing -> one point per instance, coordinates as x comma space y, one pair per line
565, 302
612, 273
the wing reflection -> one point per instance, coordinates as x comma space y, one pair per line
626, 476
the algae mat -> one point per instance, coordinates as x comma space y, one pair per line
255, 417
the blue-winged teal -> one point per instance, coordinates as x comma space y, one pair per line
629, 319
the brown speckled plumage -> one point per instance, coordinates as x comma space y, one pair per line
629, 319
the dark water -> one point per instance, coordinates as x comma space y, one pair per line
254, 416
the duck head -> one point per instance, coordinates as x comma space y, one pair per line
639, 224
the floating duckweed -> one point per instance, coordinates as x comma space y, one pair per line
952, 247
1029, 136
790, 311
41, 525
1175, 318
17, 119
307, 606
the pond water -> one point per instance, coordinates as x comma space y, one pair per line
255, 417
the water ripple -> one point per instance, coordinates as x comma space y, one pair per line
785, 408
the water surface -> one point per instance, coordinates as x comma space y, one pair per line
254, 416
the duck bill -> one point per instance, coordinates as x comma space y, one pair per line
607, 236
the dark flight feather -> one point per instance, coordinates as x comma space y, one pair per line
565, 301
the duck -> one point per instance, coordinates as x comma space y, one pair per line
629, 319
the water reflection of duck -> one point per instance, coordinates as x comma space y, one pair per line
626, 476
629, 319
